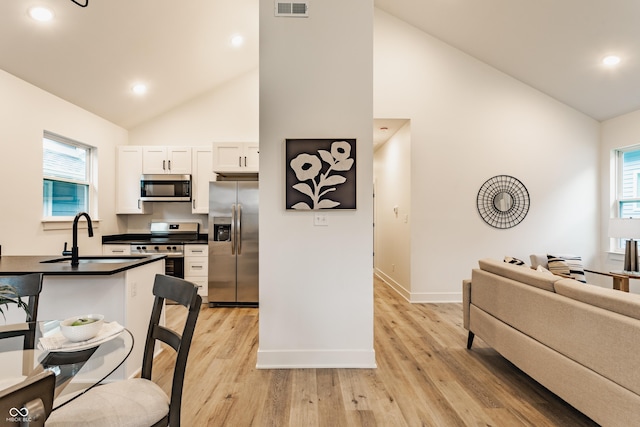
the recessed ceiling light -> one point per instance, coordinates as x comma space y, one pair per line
237, 40
139, 89
41, 14
611, 60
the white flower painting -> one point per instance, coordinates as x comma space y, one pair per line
321, 174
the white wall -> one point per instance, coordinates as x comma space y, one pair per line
470, 122
392, 177
25, 112
619, 132
227, 113
316, 291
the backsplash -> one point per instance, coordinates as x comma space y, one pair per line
170, 211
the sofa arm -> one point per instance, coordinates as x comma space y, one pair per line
466, 302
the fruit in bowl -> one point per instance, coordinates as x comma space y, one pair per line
81, 328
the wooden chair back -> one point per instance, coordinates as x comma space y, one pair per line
27, 286
30, 402
184, 293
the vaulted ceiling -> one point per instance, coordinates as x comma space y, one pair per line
555, 46
92, 56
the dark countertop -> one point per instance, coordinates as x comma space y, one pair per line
127, 239
146, 242
33, 264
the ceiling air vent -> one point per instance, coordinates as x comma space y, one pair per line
292, 9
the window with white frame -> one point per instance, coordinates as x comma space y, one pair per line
67, 176
627, 196
628, 185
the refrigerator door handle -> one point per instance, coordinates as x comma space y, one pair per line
233, 229
239, 234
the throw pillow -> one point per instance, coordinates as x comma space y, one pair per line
567, 266
514, 261
538, 259
543, 270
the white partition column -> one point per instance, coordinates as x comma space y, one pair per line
316, 285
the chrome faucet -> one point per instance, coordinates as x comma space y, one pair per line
74, 249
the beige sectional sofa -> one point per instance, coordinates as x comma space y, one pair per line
580, 341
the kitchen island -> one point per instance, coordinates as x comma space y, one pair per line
58, 266
120, 288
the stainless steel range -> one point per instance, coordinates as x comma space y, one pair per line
168, 238
172, 250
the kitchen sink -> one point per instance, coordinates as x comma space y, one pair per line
95, 259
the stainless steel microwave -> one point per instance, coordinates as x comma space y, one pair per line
165, 188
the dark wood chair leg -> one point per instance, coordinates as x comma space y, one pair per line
470, 340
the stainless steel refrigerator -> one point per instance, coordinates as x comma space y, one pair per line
233, 243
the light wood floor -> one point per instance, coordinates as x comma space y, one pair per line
425, 377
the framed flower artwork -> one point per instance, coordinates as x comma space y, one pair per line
320, 174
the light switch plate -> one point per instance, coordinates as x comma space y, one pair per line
320, 219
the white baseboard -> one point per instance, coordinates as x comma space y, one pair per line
298, 359
419, 297
401, 290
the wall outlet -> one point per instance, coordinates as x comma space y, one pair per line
320, 219
134, 289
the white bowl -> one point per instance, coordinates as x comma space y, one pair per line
88, 328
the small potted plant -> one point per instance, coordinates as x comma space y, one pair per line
9, 295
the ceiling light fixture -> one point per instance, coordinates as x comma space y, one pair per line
41, 14
139, 89
237, 40
611, 60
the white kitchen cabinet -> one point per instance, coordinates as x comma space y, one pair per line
202, 284
202, 174
116, 250
251, 159
128, 171
196, 267
164, 160
236, 157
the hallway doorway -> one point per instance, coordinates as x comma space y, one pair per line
392, 203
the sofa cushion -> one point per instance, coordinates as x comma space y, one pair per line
609, 299
543, 270
524, 275
567, 265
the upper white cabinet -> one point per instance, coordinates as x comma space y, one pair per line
164, 160
202, 174
236, 157
129, 169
